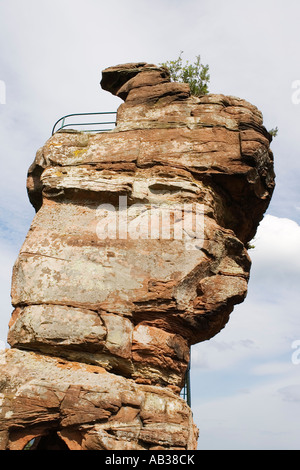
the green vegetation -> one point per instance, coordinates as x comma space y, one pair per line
273, 132
196, 74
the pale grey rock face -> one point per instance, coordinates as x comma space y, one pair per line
136, 252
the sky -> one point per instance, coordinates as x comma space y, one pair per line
246, 380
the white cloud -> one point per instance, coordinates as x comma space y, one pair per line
276, 368
265, 418
268, 321
290, 393
277, 248
255, 353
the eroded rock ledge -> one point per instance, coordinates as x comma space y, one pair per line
103, 322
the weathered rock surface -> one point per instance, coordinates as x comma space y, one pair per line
114, 281
90, 408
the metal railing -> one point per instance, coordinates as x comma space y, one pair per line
186, 391
85, 125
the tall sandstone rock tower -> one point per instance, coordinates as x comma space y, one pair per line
138, 250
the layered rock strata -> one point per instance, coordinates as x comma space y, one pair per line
137, 251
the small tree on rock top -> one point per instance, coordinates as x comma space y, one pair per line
196, 74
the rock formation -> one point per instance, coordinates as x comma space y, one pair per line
138, 250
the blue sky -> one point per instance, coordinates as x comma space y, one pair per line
245, 386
